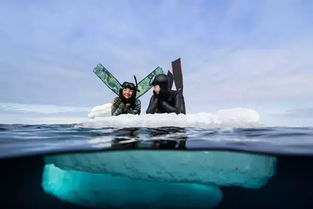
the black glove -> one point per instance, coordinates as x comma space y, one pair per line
155, 94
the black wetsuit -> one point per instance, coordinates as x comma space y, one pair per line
168, 101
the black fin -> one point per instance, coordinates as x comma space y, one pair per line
136, 83
171, 79
178, 75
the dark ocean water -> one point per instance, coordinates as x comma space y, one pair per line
24, 148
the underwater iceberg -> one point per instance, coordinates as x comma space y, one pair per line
107, 191
220, 168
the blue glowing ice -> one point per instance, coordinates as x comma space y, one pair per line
153, 179
202, 167
107, 191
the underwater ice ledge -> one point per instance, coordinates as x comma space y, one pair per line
108, 191
220, 168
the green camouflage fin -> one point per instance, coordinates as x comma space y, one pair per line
107, 78
145, 84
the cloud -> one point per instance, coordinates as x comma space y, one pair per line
306, 113
234, 52
252, 77
14, 113
40, 108
299, 116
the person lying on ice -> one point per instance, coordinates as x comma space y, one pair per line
163, 99
126, 102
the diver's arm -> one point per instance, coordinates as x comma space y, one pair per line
137, 108
177, 108
152, 105
117, 107
167, 107
178, 102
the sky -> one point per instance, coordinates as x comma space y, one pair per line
235, 53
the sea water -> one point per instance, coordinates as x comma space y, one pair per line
223, 160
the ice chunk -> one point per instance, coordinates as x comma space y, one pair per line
230, 118
106, 191
100, 111
203, 167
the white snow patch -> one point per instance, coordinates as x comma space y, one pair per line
228, 118
100, 111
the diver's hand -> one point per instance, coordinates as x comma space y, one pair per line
163, 103
153, 104
169, 108
121, 106
118, 110
127, 106
156, 89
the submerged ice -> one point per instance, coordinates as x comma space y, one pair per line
104, 190
153, 179
219, 168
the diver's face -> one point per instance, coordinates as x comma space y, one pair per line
157, 89
127, 93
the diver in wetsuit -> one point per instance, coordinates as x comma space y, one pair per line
126, 102
165, 100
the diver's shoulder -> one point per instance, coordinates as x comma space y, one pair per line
117, 99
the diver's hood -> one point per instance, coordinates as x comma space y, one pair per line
161, 80
131, 86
